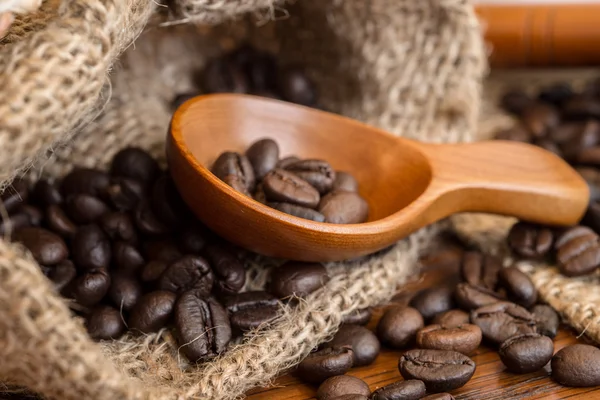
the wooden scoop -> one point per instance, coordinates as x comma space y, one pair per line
407, 184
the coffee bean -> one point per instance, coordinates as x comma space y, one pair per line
316, 172
91, 248
202, 326
84, 208
480, 270
189, 272
85, 181
229, 271
105, 323
556, 94
14, 222
411, 389
263, 155
147, 222
546, 320
462, 338
62, 274
237, 166
167, 204
585, 135
578, 251
90, 288
297, 279
515, 101
46, 247
362, 341
440, 370
517, 133
162, 250
260, 196
539, 118
287, 161
298, 211
152, 312
580, 107
135, 163
530, 241
451, 318
503, 320
433, 301
438, 396
470, 297
57, 220
341, 385
118, 226
398, 326
325, 363
526, 353
15, 195
344, 208
125, 291
296, 87
344, 181
283, 186
45, 193
194, 238
224, 76
33, 214
249, 310
358, 317
126, 257
124, 193
153, 270
518, 285
577, 365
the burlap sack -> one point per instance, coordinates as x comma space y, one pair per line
411, 67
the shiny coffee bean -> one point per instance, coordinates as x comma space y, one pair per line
59, 222
194, 238
249, 310
152, 312
167, 204
410, 389
295, 87
105, 323
125, 291
480, 270
325, 363
162, 250
344, 181
147, 222
286, 162
91, 248
90, 288
515, 101
539, 118
316, 172
229, 272
337, 386
298, 211
577, 365
62, 274
46, 247
188, 273
15, 195
578, 251
84, 208
85, 181
451, 318
469, 297
118, 226
152, 271
46, 193
398, 326
127, 257
503, 320
526, 353
283, 186
297, 279
136, 164
464, 339
530, 241
547, 320
235, 165
358, 317
202, 326
433, 301
440, 370
519, 287
517, 133
344, 208
438, 396
556, 94
123, 194
362, 341
263, 156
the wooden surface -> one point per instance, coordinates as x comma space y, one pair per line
407, 184
490, 381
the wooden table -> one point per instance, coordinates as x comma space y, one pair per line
489, 382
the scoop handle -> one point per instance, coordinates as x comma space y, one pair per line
507, 178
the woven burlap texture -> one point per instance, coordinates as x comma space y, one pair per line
413, 68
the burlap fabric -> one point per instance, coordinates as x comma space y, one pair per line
411, 67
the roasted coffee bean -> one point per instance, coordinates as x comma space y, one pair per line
162, 250
470, 297
398, 326
249, 310
167, 204
263, 155
411, 389
503, 320
526, 353
229, 271
235, 165
518, 286
85, 180
556, 94
362, 341
344, 208
125, 291
118, 226
91, 248
84, 208
578, 251
188, 273
59, 222
224, 76
260, 196
15, 195
147, 222
124, 193
325, 363
105, 323
90, 288
480, 270
46, 193
194, 238
298, 211
287, 161
462, 338
14, 222
126, 257
530, 241
33, 214
539, 118
572, 138
440, 370
438, 396
62, 274
344, 181
517, 133
153, 270
46, 247
358, 317
515, 101
283, 186
546, 320
577, 365
296, 87
316, 172
202, 326
451, 318
590, 156
152, 312
337, 386
296, 278
180, 99
433, 301
134, 163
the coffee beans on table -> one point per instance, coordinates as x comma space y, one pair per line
361, 340
398, 326
503, 320
518, 286
325, 363
480, 270
526, 353
546, 320
577, 365
464, 339
341, 385
410, 389
433, 301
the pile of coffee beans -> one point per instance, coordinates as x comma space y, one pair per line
308, 188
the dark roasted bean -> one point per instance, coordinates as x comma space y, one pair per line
167, 204
464, 339
362, 341
297, 279
84, 208
316, 172
433, 301
134, 163
469, 297
451, 318
410, 389
125, 291
91, 248
515, 101
503, 320
578, 251
518, 286
285, 162
127, 257
85, 180
124, 193
62, 274
577, 365
481, 270
118, 226
90, 288
337, 386
34, 214
45, 193
526, 353
344, 181
358, 317
152, 312
194, 238
296, 87
228, 270
283, 186
263, 155
147, 222
153, 270
14, 222
188, 273
556, 94
344, 208
59, 222
105, 323
546, 320
46, 247
398, 326
235, 165
298, 211
539, 118
249, 310
325, 363
224, 76
162, 250
531, 241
